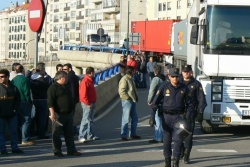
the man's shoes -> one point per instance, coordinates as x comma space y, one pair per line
27, 143
82, 140
4, 152
93, 138
124, 138
58, 154
76, 153
153, 141
135, 137
43, 137
18, 151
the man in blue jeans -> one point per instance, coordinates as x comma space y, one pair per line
87, 99
9, 102
156, 116
129, 97
22, 84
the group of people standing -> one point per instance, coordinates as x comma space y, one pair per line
175, 99
19, 91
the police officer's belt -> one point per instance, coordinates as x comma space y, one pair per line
173, 112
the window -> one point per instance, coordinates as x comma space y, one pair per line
73, 14
160, 7
168, 18
72, 25
178, 17
164, 6
178, 4
169, 5
189, 3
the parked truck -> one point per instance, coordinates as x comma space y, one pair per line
215, 40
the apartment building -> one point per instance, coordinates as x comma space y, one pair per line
168, 9
17, 40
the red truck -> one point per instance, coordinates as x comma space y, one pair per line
155, 38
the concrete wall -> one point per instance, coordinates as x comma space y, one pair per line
106, 93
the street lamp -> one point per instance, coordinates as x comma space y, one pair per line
128, 30
26, 47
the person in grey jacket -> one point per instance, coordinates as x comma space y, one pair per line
129, 97
156, 118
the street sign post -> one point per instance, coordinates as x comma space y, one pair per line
36, 18
100, 32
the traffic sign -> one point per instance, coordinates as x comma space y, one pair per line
100, 32
36, 15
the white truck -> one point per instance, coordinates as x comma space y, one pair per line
93, 39
215, 38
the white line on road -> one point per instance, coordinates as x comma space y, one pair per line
216, 150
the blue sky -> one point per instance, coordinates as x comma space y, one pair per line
6, 3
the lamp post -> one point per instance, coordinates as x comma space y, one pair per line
26, 47
128, 31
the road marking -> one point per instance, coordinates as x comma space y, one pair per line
216, 150
100, 150
107, 111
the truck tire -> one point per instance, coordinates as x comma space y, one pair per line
206, 127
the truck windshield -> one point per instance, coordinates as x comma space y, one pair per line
96, 38
228, 30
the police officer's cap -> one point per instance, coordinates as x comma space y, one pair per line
169, 66
187, 68
174, 72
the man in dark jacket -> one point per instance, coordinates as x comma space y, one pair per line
60, 107
39, 84
73, 86
9, 104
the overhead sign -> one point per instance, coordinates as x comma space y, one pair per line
100, 32
36, 15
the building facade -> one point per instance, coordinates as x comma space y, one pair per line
67, 22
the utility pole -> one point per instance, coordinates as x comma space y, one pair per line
127, 50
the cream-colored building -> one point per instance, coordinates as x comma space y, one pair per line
168, 9
17, 40
67, 21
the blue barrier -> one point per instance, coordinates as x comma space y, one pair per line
102, 74
97, 48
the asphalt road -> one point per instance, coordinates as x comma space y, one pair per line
227, 147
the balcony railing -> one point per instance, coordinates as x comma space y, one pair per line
66, 8
79, 17
66, 19
56, 20
80, 6
55, 30
55, 39
56, 10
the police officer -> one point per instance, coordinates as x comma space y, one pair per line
175, 98
199, 102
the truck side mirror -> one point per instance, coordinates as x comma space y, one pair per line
194, 34
194, 20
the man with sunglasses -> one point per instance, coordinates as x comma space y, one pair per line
9, 102
175, 99
196, 93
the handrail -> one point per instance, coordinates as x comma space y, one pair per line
102, 74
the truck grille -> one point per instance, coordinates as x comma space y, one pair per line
236, 92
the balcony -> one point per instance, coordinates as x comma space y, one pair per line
80, 6
96, 20
55, 30
55, 39
66, 8
96, 1
56, 20
77, 39
66, 19
56, 0
66, 39
79, 17
56, 10
107, 9
78, 28
67, 29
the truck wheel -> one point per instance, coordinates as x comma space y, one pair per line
206, 127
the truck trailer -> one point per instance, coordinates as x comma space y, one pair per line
215, 40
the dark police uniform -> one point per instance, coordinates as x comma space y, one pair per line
175, 102
196, 93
